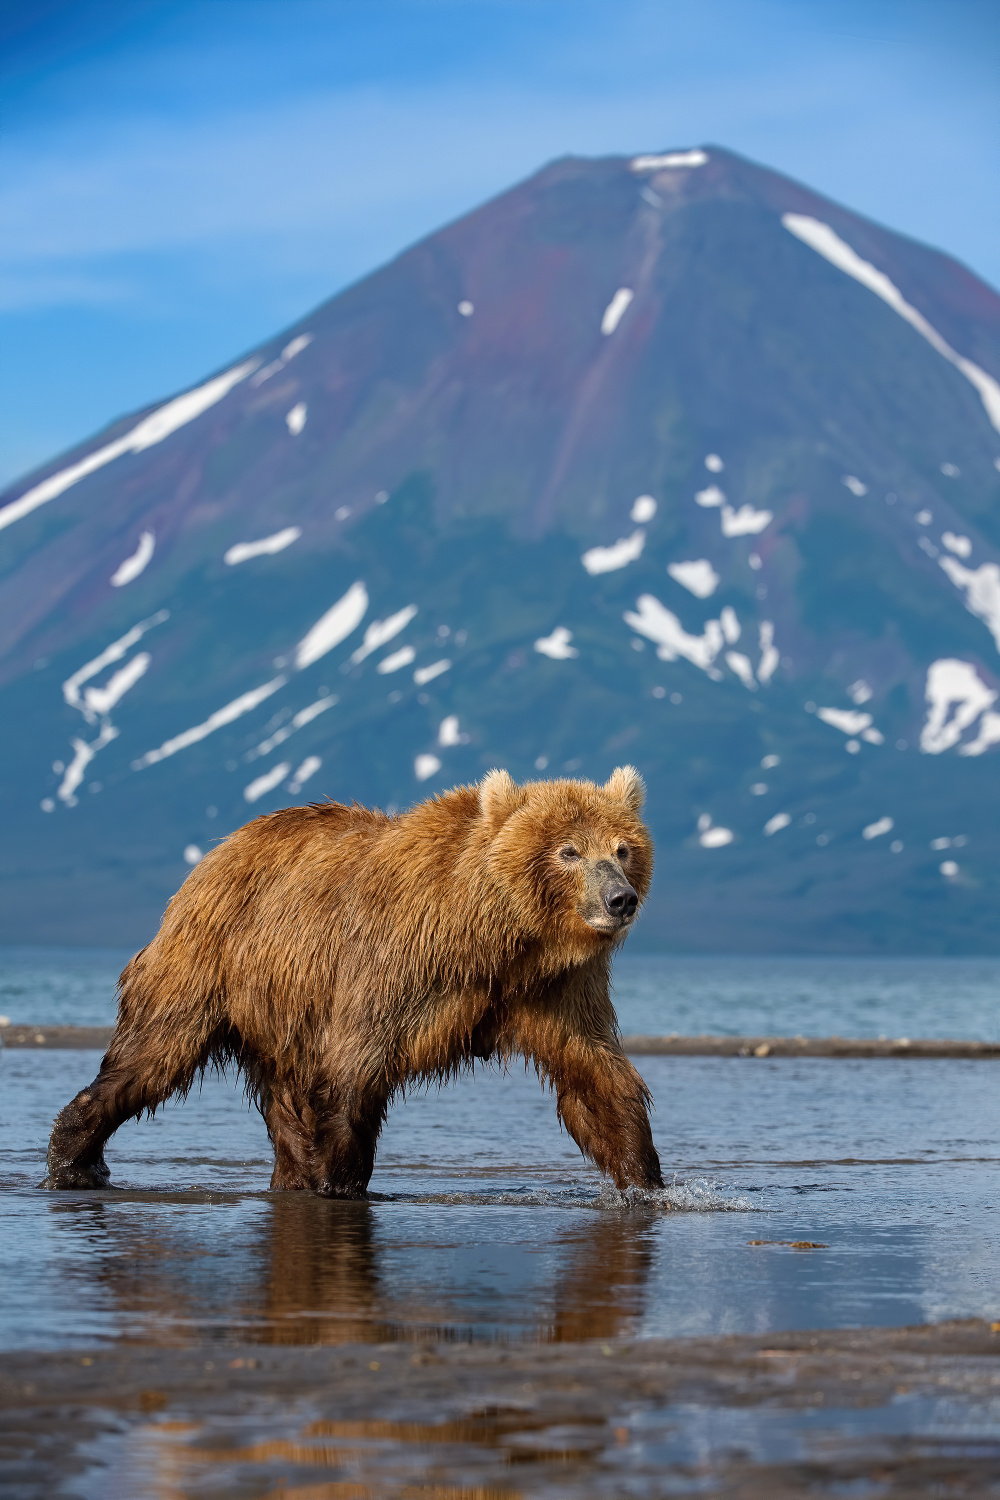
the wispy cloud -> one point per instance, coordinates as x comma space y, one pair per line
190, 185
378, 167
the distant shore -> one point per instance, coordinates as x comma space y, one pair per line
96, 1039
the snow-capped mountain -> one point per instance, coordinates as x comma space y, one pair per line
663, 459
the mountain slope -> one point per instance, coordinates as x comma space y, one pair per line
669, 459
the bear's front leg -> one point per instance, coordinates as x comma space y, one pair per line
603, 1103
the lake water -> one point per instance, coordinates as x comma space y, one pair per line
862, 997
486, 1227
485, 1222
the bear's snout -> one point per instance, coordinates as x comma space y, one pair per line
620, 902
610, 901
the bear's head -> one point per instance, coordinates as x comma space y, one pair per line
573, 859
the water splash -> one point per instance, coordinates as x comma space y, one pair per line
698, 1195
691, 1195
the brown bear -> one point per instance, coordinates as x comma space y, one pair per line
335, 954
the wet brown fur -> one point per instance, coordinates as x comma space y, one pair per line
336, 954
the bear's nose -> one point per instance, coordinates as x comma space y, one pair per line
620, 901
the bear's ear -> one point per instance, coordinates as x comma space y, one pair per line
499, 796
626, 785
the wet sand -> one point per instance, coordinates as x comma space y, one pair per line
870, 1412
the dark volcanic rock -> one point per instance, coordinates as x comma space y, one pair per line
793, 402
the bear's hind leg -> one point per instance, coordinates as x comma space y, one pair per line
348, 1122
291, 1130
129, 1082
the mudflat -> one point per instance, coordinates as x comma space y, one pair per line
861, 1412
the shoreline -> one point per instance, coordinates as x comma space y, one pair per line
17, 1035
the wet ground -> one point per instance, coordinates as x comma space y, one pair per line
871, 1413
495, 1321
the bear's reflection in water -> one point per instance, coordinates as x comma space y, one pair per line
298, 1269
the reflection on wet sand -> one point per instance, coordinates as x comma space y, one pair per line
320, 1280
406, 1459
601, 1289
298, 1269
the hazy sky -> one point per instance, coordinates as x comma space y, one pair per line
181, 178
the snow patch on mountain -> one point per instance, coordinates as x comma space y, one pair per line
118, 649
847, 720
821, 238
427, 674
989, 734
296, 346
340, 620
298, 721
380, 632
425, 766
308, 768
769, 656
697, 576
710, 496
743, 522
616, 309
397, 659
557, 645
277, 542
981, 587
152, 429
266, 783
657, 623
668, 159
449, 732
746, 521
100, 701
84, 753
134, 565
244, 704
710, 835
609, 559
741, 666
956, 697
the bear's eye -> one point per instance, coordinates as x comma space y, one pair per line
569, 854
623, 853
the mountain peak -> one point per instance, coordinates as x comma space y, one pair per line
662, 452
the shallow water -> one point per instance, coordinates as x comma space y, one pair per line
486, 1224
654, 994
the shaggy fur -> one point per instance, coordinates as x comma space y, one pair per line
335, 954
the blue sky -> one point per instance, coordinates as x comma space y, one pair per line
181, 178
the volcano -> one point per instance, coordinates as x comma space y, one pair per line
663, 459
